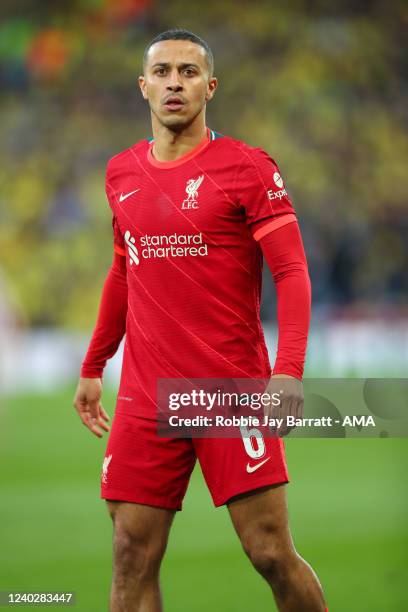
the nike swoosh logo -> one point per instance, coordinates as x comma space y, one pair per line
126, 195
253, 468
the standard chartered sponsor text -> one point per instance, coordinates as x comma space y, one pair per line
173, 245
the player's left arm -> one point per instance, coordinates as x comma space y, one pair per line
272, 221
284, 253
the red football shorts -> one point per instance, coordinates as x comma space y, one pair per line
141, 467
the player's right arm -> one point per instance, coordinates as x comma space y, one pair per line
108, 333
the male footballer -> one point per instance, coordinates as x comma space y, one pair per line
194, 213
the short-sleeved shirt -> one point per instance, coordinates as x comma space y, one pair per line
190, 232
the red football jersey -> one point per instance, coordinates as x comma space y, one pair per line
189, 231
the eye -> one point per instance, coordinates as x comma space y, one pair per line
189, 72
160, 71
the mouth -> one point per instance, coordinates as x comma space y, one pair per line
174, 104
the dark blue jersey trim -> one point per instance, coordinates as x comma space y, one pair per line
215, 135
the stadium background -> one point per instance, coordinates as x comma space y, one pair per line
323, 88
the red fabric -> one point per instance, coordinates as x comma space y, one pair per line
269, 226
194, 271
111, 323
144, 468
284, 253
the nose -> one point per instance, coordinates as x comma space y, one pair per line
174, 83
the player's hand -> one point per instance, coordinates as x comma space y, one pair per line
87, 402
290, 390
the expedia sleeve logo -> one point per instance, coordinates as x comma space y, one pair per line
277, 195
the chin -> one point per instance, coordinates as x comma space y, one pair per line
175, 123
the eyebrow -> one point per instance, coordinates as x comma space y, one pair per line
183, 65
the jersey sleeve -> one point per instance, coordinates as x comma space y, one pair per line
118, 240
111, 322
262, 193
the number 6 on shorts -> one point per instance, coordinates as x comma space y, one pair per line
249, 436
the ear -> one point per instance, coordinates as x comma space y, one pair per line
143, 87
211, 87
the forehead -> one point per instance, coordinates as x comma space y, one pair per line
176, 51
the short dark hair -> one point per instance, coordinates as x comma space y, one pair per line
181, 34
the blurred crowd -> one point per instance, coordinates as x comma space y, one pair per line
322, 89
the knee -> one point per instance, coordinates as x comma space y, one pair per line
267, 560
269, 556
136, 554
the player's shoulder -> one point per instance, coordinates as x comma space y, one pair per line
122, 158
244, 153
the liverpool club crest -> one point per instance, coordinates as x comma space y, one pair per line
192, 192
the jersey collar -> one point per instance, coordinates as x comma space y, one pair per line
180, 160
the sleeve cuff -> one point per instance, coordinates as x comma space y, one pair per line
119, 250
89, 372
273, 225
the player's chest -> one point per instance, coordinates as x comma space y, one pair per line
175, 200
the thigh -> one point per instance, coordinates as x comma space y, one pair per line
261, 522
142, 468
232, 466
144, 525
261, 513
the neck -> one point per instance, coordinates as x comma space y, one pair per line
169, 145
